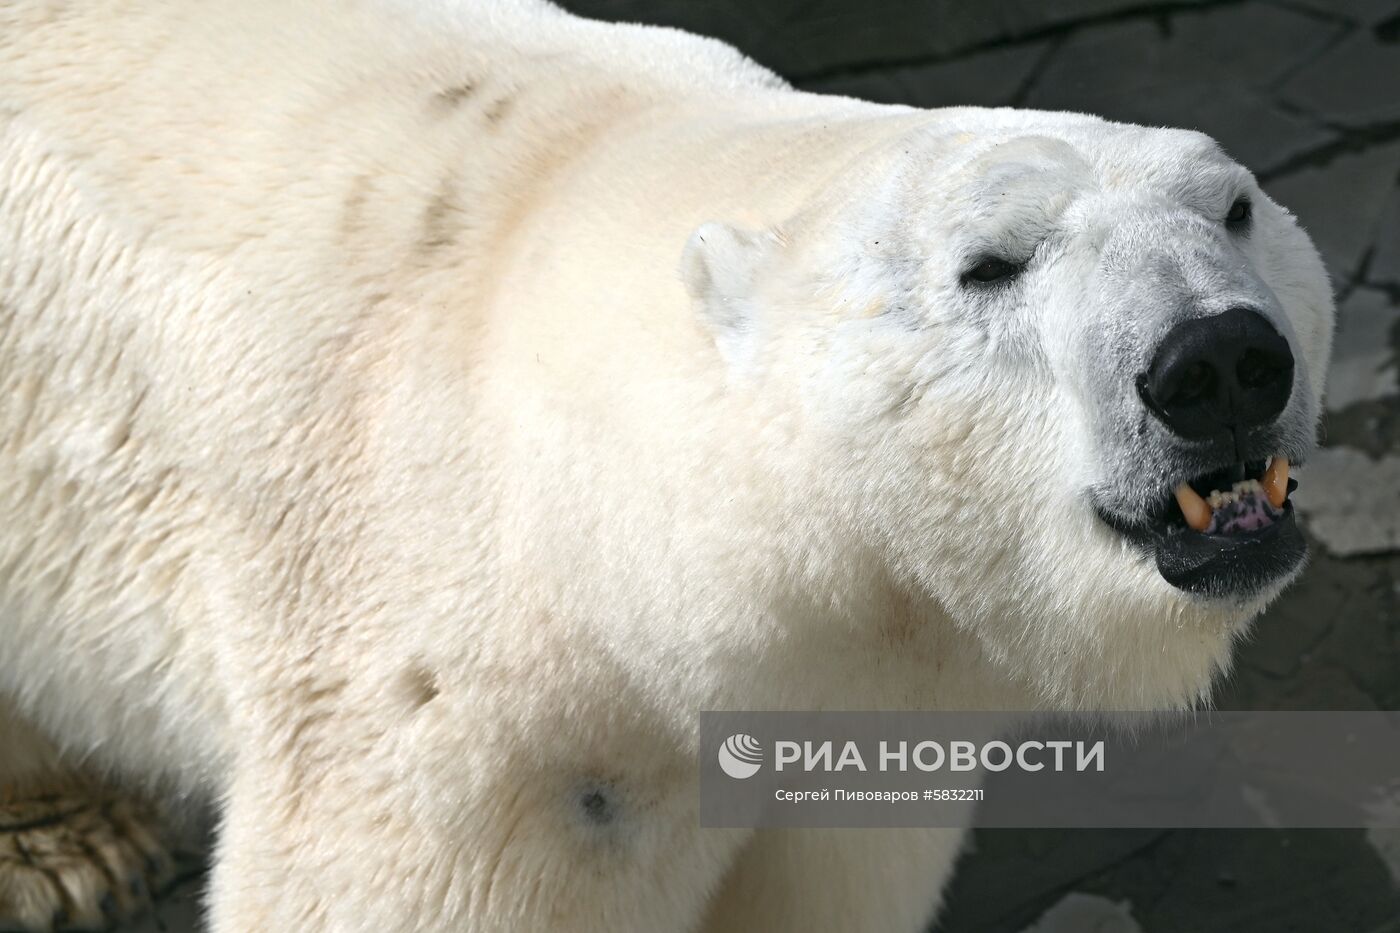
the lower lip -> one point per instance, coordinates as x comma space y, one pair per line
1237, 566
1231, 565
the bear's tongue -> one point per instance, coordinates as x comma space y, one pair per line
1246, 507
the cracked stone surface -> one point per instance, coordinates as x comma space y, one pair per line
1364, 362
1341, 202
1192, 71
1351, 502
1306, 93
1328, 85
1385, 262
1371, 13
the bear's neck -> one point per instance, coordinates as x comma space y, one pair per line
682, 493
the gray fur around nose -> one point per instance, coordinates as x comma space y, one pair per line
1187, 358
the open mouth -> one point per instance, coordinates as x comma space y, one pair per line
1239, 500
1229, 532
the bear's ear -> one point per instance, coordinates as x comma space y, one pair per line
719, 269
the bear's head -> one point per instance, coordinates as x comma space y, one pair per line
1053, 372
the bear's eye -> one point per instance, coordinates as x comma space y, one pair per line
991, 271
1239, 213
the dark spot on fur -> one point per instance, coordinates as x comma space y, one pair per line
441, 218
499, 109
450, 98
420, 685
598, 805
352, 209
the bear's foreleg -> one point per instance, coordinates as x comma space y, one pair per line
441, 837
836, 881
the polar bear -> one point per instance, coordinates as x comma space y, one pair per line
412, 414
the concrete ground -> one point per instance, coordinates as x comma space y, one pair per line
1307, 93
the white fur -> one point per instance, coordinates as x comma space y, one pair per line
367, 463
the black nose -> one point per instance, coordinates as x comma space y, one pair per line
1229, 372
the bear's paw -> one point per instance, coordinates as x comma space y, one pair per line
70, 862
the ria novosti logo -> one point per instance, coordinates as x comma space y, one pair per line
740, 756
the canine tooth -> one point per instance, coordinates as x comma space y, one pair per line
1193, 507
1275, 481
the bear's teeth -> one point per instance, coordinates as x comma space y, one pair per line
1245, 487
1193, 507
1199, 511
1241, 490
1274, 482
